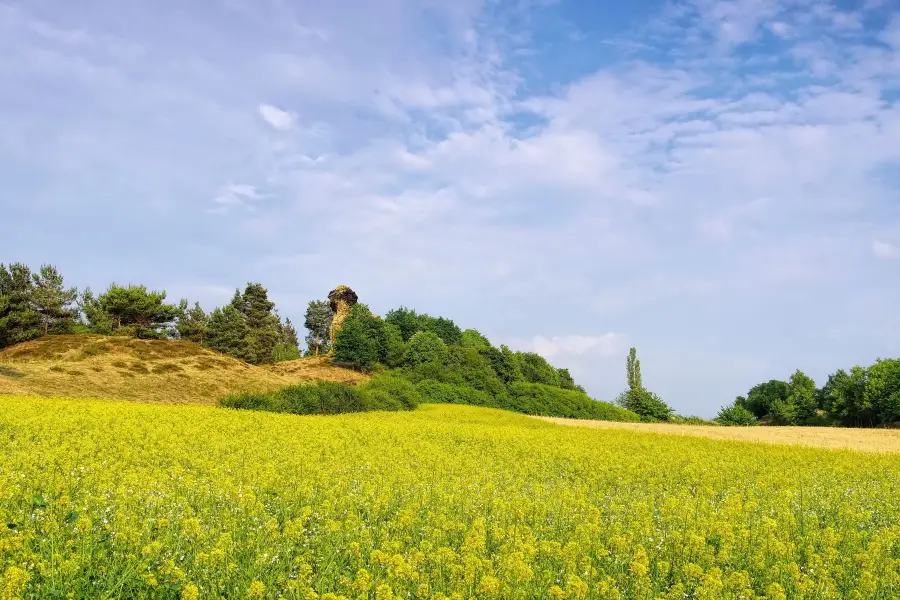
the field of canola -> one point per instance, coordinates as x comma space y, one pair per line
115, 500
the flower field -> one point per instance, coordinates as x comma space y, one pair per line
108, 500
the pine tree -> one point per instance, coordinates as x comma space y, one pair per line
288, 346
137, 311
318, 323
53, 301
262, 324
227, 331
19, 321
192, 322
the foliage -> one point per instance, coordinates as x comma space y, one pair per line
762, 397
192, 323
134, 310
361, 341
445, 501
19, 319
471, 338
425, 347
227, 332
283, 352
318, 324
396, 348
735, 414
536, 369
262, 323
409, 322
390, 392
639, 400
53, 301
288, 346
330, 398
546, 400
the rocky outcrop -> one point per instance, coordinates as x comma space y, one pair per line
341, 298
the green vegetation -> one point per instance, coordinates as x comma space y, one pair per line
36, 304
638, 399
863, 397
331, 398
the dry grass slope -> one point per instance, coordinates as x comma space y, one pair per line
865, 440
157, 371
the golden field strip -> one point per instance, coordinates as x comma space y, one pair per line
863, 440
104, 499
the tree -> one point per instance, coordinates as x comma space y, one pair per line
318, 324
396, 347
98, 321
361, 340
53, 302
802, 397
636, 398
445, 329
19, 321
136, 311
192, 323
762, 397
262, 324
536, 369
883, 389
425, 347
405, 319
735, 414
227, 331
288, 346
472, 338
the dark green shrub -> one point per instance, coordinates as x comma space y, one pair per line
436, 392
249, 401
320, 398
401, 393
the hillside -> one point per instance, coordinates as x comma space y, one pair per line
158, 371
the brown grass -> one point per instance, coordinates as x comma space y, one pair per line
865, 440
157, 371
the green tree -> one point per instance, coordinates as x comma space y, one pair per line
318, 324
445, 329
471, 338
227, 331
98, 321
504, 363
802, 397
288, 346
396, 347
762, 397
883, 390
404, 319
192, 322
19, 321
53, 301
536, 369
639, 400
361, 340
735, 414
262, 324
425, 347
136, 311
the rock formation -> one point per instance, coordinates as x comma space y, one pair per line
341, 299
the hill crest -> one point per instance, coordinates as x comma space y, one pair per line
158, 371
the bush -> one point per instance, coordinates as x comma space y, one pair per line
250, 401
735, 414
436, 392
545, 400
389, 392
425, 347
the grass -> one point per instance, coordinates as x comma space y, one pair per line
124, 500
153, 371
865, 440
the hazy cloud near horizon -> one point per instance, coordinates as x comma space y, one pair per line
716, 182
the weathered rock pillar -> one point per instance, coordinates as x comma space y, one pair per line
341, 299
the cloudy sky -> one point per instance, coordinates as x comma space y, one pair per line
716, 182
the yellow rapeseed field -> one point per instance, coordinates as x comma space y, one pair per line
104, 500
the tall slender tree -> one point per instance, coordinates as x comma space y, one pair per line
318, 324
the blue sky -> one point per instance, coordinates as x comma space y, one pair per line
712, 181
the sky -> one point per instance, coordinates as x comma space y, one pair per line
715, 182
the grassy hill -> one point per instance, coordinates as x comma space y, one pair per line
157, 371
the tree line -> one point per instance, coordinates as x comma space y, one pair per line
33, 304
861, 397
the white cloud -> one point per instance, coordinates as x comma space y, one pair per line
550, 347
277, 118
885, 250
